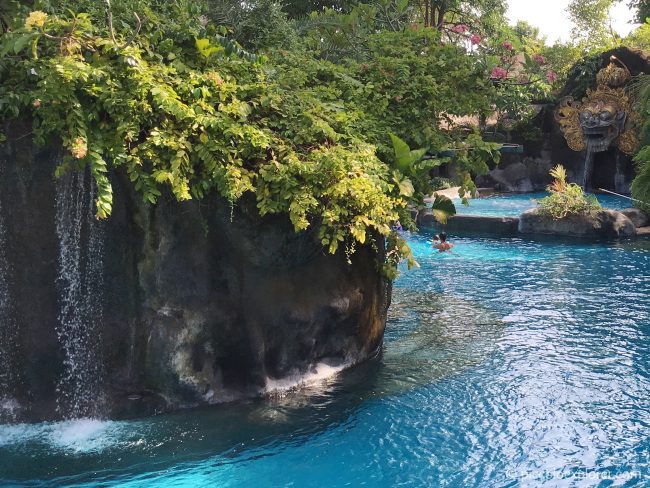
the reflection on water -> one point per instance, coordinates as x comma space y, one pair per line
506, 363
433, 337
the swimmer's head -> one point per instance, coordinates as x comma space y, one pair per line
443, 237
436, 238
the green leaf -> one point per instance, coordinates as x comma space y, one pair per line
402, 153
406, 187
22, 42
442, 208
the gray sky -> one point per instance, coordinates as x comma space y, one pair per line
553, 21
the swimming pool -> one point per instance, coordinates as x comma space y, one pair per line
514, 204
507, 363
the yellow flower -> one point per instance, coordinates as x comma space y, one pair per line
35, 19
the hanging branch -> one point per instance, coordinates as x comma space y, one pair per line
135, 33
109, 13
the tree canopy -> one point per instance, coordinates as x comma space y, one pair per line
324, 116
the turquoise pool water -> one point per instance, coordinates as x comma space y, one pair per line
514, 204
506, 363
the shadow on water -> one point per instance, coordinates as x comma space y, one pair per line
429, 338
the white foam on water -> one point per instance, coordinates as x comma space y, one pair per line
320, 374
79, 436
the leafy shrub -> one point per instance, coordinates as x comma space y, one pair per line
194, 116
566, 198
440, 183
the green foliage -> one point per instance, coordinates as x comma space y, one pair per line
319, 127
439, 183
641, 183
442, 208
640, 91
642, 8
302, 8
191, 117
566, 198
639, 38
584, 74
405, 158
592, 24
258, 25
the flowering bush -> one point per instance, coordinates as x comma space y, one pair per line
498, 73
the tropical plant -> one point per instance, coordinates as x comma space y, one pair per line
640, 94
410, 164
191, 115
565, 198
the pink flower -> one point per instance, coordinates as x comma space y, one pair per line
36, 103
79, 148
475, 39
551, 77
507, 45
498, 73
460, 28
539, 59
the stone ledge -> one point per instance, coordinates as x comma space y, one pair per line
475, 225
602, 224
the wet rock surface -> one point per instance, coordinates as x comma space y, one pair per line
600, 224
201, 302
638, 217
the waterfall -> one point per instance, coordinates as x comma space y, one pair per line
80, 288
589, 163
8, 335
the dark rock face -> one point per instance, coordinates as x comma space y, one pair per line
514, 178
201, 303
602, 224
638, 217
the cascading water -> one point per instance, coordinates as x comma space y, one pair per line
8, 335
589, 162
80, 286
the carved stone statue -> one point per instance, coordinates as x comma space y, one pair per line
603, 119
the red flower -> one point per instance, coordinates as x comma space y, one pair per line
498, 73
475, 39
460, 28
539, 59
551, 77
507, 45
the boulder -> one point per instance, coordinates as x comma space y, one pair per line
600, 224
638, 217
513, 178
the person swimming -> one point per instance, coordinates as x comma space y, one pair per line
443, 245
435, 240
